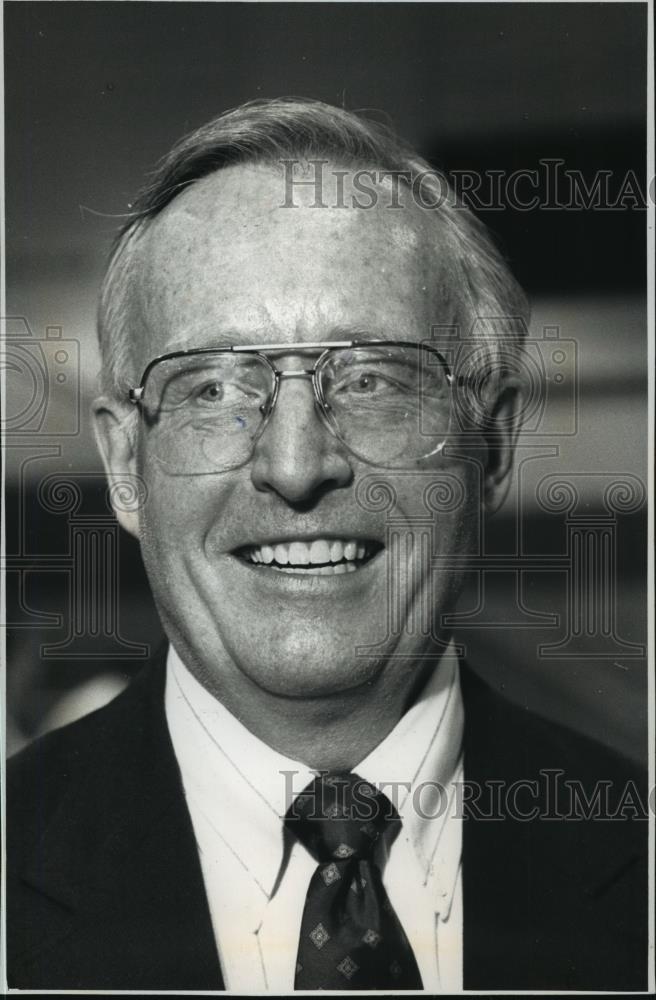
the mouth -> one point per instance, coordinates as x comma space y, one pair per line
319, 557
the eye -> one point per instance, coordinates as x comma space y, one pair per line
211, 392
369, 382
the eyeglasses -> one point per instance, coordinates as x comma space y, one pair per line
388, 402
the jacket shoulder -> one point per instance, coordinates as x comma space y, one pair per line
507, 736
42, 775
556, 831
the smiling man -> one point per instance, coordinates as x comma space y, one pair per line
272, 375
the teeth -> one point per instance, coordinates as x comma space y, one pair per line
321, 553
350, 550
322, 570
281, 555
336, 551
299, 553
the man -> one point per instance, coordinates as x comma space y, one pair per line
273, 376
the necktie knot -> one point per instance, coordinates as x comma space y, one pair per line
341, 817
351, 938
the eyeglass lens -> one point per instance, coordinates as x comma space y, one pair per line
390, 405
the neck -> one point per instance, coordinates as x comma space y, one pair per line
333, 732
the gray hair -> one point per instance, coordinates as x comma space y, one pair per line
271, 131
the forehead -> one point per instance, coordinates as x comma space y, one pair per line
229, 259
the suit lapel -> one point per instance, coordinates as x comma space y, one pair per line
496, 854
124, 903
545, 902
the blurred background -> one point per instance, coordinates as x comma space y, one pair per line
95, 93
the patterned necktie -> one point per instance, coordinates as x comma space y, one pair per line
351, 938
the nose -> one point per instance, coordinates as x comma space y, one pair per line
297, 457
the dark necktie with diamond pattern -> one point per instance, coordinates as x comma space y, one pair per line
351, 938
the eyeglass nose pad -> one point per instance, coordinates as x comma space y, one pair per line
268, 406
324, 412
322, 408
266, 410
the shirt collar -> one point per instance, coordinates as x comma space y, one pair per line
412, 765
242, 785
417, 764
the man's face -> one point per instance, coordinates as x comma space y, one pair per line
226, 264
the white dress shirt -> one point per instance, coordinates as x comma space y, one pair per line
256, 877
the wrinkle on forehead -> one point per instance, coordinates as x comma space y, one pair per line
229, 242
252, 198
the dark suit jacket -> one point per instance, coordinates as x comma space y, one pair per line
105, 888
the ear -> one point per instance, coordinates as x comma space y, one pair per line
116, 433
500, 433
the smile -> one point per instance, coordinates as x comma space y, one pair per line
320, 557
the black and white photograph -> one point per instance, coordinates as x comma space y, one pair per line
298, 291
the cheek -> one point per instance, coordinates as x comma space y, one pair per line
173, 515
190, 520
437, 516
445, 502
456, 500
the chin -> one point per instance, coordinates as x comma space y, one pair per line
300, 670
